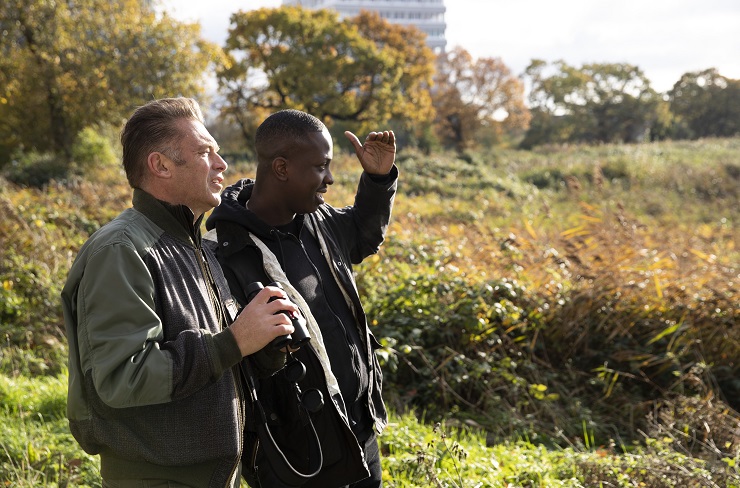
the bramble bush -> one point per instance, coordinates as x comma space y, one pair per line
40, 233
451, 344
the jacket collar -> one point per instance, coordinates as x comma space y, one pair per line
233, 209
176, 220
235, 221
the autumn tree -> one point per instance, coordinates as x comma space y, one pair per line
411, 103
472, 94
66, 65
309, 60
706, 104
598, 102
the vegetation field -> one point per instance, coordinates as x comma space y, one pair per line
562, 317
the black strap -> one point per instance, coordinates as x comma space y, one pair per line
281, 466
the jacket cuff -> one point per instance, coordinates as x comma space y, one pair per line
384, 179
225, 351
267, 362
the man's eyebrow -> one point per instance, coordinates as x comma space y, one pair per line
206, 144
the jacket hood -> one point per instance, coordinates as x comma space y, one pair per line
233, 208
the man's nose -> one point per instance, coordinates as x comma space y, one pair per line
220, 163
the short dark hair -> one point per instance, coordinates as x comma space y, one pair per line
152, 128
282, 131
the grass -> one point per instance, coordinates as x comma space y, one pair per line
39, 451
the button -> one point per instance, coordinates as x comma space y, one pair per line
226, 243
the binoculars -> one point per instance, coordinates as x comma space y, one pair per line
300, 335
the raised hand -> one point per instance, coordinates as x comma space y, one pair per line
378, 153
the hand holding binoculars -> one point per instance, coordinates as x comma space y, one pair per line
300, 335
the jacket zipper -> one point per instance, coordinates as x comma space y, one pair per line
364, 335
240, 417
347, 339
221, 315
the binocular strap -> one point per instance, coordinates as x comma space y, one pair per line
281, 466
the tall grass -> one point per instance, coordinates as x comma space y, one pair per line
36, 447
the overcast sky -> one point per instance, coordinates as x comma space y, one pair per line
664, 38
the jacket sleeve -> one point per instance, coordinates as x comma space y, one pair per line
370, 214
119, 334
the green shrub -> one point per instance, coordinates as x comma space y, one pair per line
455, 344
616, 169
93, 151
93, 148
36, 169
10, 302
545, 178
41, 232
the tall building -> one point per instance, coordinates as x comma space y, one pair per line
427, 15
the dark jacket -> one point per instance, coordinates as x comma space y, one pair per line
151, 385
351, 234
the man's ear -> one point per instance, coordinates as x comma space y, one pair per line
280, 168
159, 166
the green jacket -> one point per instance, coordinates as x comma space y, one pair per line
153, 386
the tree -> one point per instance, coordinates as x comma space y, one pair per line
473, 94
599, 102
291, 57
411, 101
706, 104
70, 64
